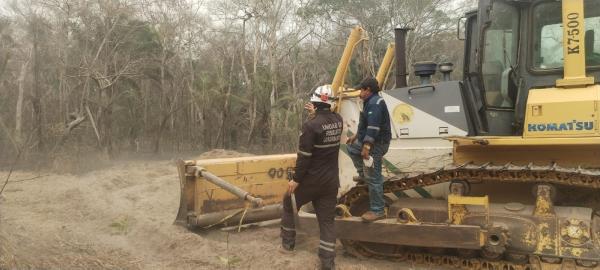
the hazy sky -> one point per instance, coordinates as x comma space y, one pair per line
470, 3
4, 6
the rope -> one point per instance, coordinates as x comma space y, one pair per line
345, 211
242, 219
223, 220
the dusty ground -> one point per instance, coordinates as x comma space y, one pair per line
121, 217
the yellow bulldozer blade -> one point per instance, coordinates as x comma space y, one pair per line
232, 191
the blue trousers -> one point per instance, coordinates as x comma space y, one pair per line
372, 175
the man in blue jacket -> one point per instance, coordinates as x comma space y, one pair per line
371, 140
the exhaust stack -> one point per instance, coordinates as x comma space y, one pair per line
400, 40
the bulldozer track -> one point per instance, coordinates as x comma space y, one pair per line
436, 260
550, 174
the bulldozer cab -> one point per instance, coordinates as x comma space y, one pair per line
514, 46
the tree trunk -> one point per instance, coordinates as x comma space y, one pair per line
249, 87
19, 110
36, 98
161, 127
195, 111
225, 113
108, 125
163, 102
254, 108
273, 94
252, 120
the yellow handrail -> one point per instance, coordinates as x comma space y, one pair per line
357, 35
386, 64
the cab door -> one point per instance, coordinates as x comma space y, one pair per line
498, 59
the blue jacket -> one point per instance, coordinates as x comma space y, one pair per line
374, 124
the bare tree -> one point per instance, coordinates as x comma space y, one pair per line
174, 75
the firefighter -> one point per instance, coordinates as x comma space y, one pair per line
316, 177
370, 144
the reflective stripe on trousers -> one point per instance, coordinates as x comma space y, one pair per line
324, 200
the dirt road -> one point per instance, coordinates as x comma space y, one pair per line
121, 218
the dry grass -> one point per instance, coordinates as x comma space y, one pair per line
63, 254
7, 258
122, 217
222, 153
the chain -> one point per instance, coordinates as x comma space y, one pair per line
551, 174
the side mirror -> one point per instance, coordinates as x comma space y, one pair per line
461, 28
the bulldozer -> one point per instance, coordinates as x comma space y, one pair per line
521, 129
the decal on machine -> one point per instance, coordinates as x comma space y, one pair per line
402, 114
572, 125
452, 109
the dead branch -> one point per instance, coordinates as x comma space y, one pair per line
7, 177
9, 136
76, 120
29, 179
12, 167
87, 109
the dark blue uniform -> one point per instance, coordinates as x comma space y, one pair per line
374, 124
318, 174
373, 127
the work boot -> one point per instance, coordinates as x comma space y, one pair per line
286, 249
327, 264
360, 180
371, 216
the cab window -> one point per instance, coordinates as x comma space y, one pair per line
548, 35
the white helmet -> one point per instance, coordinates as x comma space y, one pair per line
323, 94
